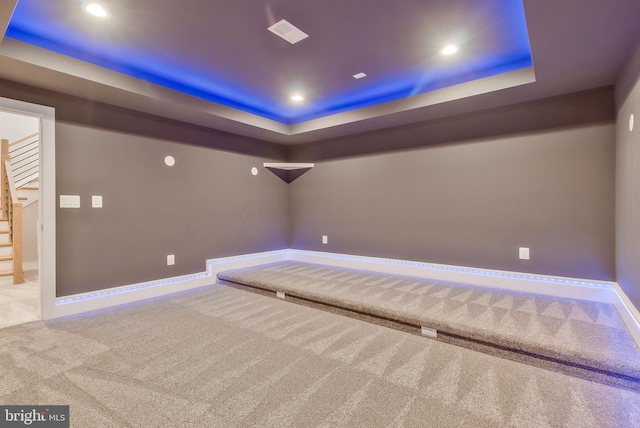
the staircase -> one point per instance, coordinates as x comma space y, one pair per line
19, 171
6, 249
29, 193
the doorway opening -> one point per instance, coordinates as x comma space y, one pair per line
27, 262
19, 264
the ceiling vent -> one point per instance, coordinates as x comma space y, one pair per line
287, 31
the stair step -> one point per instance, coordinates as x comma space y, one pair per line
28, 188
5, 258
22, 198
6, 244
6, 273
6, 251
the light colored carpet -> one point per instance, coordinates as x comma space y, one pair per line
222, 357
582, 334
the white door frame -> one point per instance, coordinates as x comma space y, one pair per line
47, 230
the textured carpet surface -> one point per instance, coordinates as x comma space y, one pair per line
222, 357
577, 332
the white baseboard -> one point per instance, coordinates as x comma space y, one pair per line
85, 302
628, 313
584, 289
246, 260
597, 291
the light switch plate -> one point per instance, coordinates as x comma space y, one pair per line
171, 259
96, 201
325, 239
524, 253
69, 201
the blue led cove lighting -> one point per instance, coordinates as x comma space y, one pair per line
450, 268
127, 289
33, 25
180, 279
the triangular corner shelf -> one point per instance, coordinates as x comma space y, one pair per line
288, 171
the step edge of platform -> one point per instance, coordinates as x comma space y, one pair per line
599, 374
559, 353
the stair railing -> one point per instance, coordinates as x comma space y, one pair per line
25, 159
12, 211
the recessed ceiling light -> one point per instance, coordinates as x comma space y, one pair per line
359, 75
297, 98
96, 9
449, 50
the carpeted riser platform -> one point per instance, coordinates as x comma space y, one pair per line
617, 365
476, 345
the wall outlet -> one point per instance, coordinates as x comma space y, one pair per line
96, 201
69, 201
280, 295
523, 253
171, 260
325, 239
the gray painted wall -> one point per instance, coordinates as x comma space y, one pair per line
207, 205
466, 191
471, 203
628, 197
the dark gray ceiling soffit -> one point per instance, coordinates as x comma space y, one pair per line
575, 46
38, 67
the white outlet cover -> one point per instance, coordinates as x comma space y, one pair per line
325, 239
171, 260
523, 253
96, 201
631, 122
280, 295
